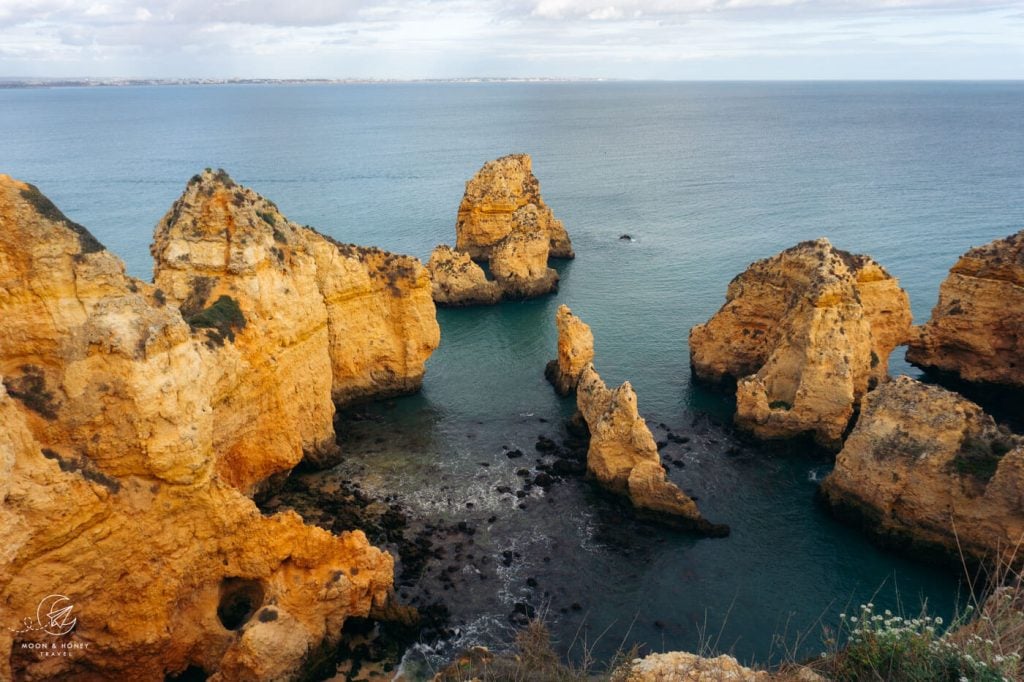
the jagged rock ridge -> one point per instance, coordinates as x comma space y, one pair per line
136, 416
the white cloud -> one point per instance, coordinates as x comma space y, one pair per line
438, 38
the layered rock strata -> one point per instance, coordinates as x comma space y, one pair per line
502, 220
493, 196
622, 456
927, 469
804, 334
136, 416
575, 351
976, 330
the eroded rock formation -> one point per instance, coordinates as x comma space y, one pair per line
575, 351
977, 327
681, 666
488, 210
925, 468
622, 455
804, 334
502, 220
136, 416
458, 281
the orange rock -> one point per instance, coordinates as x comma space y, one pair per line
805, 334
977, 328
131, 434
492, 197
458, 281
927, 469
575, 351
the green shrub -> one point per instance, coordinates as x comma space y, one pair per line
221, 320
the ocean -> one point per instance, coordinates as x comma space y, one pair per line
705, 178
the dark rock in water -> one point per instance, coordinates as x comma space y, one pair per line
531, 582
522, 472
568, 467
513, 454
625, 238
545, 444
503, 489
543, 480
661, 443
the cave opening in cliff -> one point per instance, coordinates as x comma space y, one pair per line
239, 600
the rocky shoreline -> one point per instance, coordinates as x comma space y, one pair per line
141, 419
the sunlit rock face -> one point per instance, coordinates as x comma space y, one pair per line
622, 456
804, 335
504, 221
927, 469
976, 330
136, 417
493, 196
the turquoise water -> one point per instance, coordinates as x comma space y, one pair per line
705, 177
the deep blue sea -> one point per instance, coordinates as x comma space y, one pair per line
706, 178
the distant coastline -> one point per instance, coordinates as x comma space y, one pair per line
17, 83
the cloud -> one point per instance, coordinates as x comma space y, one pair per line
438, 38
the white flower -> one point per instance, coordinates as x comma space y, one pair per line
938, 621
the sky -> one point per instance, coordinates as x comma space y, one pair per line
410, 39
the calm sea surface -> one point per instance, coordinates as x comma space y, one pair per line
705, 177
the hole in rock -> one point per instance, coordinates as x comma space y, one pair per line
239, 600
193, 673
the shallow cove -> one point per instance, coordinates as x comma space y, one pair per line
579, 556
705, 177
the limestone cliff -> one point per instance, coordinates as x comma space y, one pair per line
926, 468
113, 492
575, 351
680, 666
977, 328
805, 334
458, 281
492, 198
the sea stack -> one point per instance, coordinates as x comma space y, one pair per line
137, 417
488, 212
925, 468
622, 456
575, 351
976, 331
804, 335
503, 221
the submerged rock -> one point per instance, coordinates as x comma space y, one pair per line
977, 327
575, 351
458, 281
804, 334
927, 469
487, 214
136, 416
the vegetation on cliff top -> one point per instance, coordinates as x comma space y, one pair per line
47, 209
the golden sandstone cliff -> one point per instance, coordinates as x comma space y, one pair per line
137, 416
804, 334
929, 469
502, 220
622, 455
977, 327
